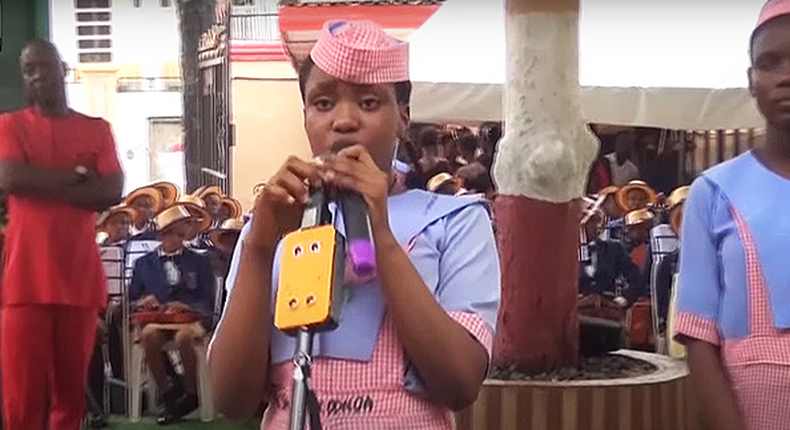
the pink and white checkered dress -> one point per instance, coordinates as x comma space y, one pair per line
368, 395
759, 364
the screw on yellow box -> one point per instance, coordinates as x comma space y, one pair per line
311, 278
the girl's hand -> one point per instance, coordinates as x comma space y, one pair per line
353, 169
279, 205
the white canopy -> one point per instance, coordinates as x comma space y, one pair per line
677, 64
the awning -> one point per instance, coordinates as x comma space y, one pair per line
672, 64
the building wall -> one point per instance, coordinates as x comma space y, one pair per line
145, 43
131, 127
21, 21
145, 39
267, 113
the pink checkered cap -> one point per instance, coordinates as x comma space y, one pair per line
773, 9
361, 52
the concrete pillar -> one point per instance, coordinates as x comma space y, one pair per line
540, 170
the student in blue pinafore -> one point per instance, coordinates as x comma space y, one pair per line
414, 343
733, 309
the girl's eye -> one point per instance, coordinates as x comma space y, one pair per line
370, 103
323, 104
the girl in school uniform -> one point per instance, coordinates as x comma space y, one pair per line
733, 310
414, 343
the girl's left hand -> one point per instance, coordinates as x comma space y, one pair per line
353, 169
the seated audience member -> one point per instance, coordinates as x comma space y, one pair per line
173, 279
614, 224
490, 133
115, 225
669, 265
474, 179
467, 146
229, 208
431, 163
224, 239
169, 191
443, 183
147, 202
212, 197
636, 195
603, 261
638, 224
200, 221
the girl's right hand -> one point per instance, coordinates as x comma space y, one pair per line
279, 205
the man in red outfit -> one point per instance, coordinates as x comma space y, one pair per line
58, 168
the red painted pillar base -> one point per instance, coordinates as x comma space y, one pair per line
538, 327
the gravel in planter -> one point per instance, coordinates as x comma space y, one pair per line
609, 366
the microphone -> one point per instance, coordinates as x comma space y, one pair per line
361, 253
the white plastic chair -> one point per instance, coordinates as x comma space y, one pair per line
141, 378
113, 259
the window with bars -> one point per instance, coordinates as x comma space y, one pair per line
94, 44
95, 57
92, 4
94, 30
93, 16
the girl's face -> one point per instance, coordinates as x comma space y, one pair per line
636, 199
173, 237
213, 202
770, 71
145, 207
223, 213
118, 227
338, 114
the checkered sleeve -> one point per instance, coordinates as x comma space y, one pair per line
688, 325
699, 283
477, 327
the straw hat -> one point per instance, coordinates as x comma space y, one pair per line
171, 215
607, 191
197, 208
206, 191
149, 191
638, 216
439, 180
622, 194
115, 210
678, 196
235, 206
232, 225
170, 192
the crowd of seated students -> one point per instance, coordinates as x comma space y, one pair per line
629, 242
176, 250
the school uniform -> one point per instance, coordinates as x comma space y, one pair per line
148, 232
53, 281
733, 283
607, 262
614, 230
184, 276
360, 374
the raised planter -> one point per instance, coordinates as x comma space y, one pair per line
656, 401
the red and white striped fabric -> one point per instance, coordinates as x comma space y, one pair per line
361, 52
368, 395
759, 365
